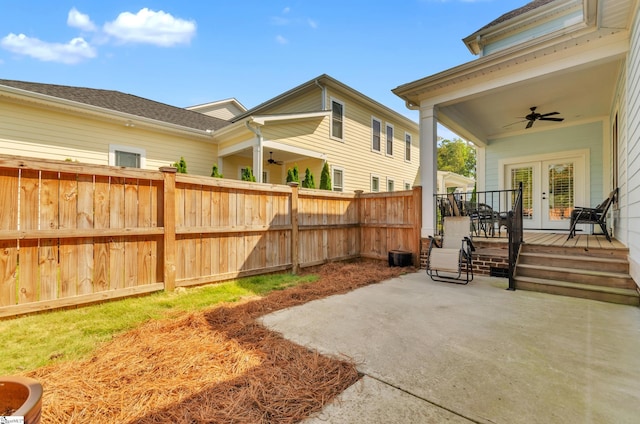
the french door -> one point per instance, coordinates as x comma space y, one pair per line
550, 190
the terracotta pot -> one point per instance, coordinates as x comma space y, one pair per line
21, 397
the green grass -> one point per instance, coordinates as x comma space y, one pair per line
33, 341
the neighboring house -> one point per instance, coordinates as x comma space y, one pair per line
580, 58
103, 127
448, 181
223, 109
368, 146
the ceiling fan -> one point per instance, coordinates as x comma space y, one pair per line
272, 161
535, 116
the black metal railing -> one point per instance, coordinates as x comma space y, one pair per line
494, 214
489, 210
515, 236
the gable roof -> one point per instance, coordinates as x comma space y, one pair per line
515, 13
318, 83
124, 103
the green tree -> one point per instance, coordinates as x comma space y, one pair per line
325, 177
181, 166
215, 172
308, 181
293, 175
457, 156
247, 175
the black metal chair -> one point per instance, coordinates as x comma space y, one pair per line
597, 215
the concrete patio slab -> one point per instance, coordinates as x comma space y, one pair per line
475, 353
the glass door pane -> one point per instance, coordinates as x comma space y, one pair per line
561, 191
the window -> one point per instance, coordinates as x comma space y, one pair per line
376, 136
338, 179
407, 147
389, 139
407, 186
390, 185
375, 184
337, 119
131, 157
265, 177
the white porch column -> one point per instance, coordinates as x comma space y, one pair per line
428, 168
257, 161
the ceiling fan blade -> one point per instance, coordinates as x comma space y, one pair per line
530, 124
514, 123
549, 114
552, 119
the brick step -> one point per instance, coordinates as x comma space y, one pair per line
579, 276
609, 264
585, 291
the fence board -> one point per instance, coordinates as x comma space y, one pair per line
98, 235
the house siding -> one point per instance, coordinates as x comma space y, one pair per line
38, 132
586, 136
353, 153
631, 206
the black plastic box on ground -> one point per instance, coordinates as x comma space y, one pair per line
399, 258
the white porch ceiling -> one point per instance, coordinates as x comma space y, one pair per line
579, 94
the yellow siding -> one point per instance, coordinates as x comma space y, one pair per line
306, 102
354, 153
51, 134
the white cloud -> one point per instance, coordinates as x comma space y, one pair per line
286, 10
79, 20
73, 52
280, 39
151, 27
313, 24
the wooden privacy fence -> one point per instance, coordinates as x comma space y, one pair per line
73, 234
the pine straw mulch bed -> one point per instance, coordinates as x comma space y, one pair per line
216, 366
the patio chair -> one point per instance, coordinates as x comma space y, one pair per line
597, 215
451, 261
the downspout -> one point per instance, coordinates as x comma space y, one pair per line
257, 151
324, 94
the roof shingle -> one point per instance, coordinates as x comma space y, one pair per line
122, 102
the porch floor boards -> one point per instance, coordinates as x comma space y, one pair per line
559, 239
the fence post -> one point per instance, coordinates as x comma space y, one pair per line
169, 209
359, 214
417, 224
295, 241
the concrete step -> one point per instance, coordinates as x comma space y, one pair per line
585, 291
608, 264
579, 276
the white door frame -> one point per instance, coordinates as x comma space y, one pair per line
582, 178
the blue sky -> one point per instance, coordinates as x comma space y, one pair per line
185, 53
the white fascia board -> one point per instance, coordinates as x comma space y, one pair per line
264, 119
47, 100
267, 144
238, 147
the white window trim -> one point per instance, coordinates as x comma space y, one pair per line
373, 118
344, 114
405, 184
113, 148
410, 146
391, 180
393, 136
265, 176
336, 168
371, 183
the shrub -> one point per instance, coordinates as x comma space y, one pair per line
325, 177
308, 181
215, 173
247, 175
293, 175
181, 166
